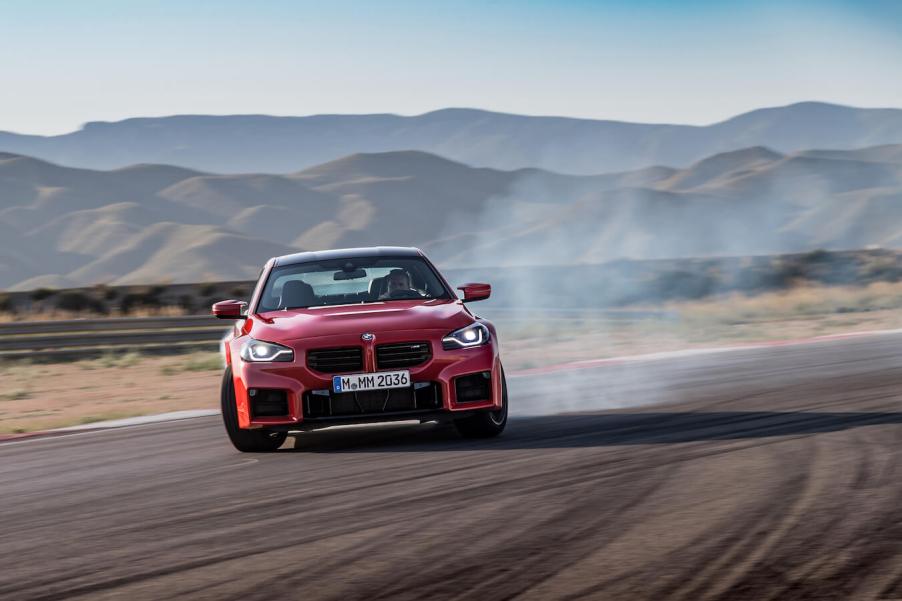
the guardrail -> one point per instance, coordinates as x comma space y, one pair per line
91, 337
108, 324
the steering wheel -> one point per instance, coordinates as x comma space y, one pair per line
404, 293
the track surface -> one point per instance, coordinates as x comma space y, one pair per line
769, 474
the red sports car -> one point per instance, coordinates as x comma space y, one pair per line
357, 335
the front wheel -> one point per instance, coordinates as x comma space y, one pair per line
485, 424
246, 441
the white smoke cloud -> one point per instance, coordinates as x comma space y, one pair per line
536, 224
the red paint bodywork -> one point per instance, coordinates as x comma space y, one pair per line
342, 326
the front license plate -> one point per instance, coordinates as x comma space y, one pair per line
375, 381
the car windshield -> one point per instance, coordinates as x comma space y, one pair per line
347, 281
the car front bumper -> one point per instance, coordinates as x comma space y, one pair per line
300, 383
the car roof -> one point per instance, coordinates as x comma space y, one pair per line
348, 253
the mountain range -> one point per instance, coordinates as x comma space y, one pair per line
64, 226
268, 144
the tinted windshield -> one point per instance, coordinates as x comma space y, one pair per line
346, 281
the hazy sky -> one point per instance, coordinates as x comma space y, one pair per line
69, 61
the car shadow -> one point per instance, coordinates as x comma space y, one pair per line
589, 430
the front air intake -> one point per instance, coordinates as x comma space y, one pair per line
474, 387
268, 403
417, 399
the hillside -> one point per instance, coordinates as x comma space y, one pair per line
268, 144
61, 226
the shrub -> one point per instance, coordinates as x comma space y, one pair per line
881, 269
817, 256
148, 298
78, 302
187, 302
684, 285
129, 301
42, 293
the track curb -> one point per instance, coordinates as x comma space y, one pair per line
141, 420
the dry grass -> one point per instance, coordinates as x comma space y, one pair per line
195, 362
805, 302
15, 395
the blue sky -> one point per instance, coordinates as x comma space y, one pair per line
65, 62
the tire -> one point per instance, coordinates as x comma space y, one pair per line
246, 441
485, 424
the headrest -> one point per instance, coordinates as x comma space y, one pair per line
296, 293
377, 287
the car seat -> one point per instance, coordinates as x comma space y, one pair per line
377, 287
296, 293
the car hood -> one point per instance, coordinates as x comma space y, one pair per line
294, 324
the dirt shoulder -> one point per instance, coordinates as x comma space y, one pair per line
44, 396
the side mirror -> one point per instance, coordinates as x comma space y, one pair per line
230, 309
475, 292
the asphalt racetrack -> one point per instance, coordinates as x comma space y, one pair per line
758, 474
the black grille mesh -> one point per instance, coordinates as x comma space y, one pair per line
336, 360
406, 354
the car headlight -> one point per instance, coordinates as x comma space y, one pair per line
256, 351
473, 335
